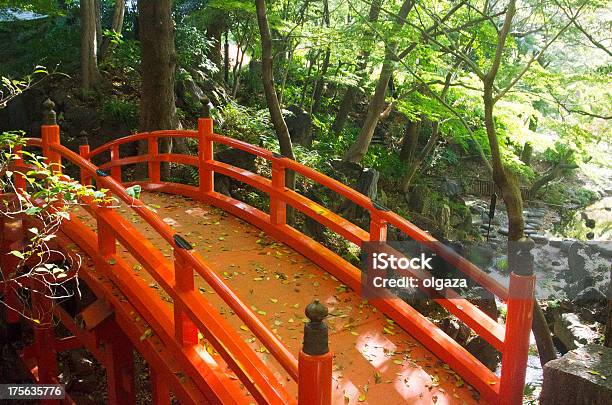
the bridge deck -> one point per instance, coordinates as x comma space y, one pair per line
375, 361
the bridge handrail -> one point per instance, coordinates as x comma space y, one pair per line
390, 217
194, 260
141, 136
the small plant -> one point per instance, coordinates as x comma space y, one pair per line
43, 204
120, 111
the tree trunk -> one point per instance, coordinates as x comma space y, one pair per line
158, 62
311, 61
280, 126
349, 96
410, 140
214, 30
89, 64
361, 145
318, 92
98, 10
116, 26
226, 65
511, 193
608, 332
346, 105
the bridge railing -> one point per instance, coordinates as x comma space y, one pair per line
191, 312
512, 340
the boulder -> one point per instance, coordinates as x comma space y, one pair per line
483, 351
456, 329
582, 376
577, 257
572, 332
299, 124
452, 188
590, 296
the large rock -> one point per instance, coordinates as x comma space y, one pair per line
572, 332
452, 188
299, 124
583, 376
483, 351
577, 257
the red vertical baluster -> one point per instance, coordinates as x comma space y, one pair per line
378, 228
205, 151
278, 207
119, 354
154, 170
115, 170
84, 152
185, 330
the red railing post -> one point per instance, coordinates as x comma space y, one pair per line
519, 317
18, 178
119, 353
378, 228
44, 339
107, 241
50, 135
185, 331
115, 170
160, 391
205, 150
278, 207
315, 360
153, 164
84, 152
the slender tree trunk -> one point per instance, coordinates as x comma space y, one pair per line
318, 92
98, 10
281, 93
89, 64
346, 105
280, 126
226, 65
237, 74
158, 63
311, 61
410, 140
214, 31
361, 145
116, 26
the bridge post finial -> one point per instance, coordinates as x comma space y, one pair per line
49, 116
83, 138
315, 331
207, 106
315, 362
520, 258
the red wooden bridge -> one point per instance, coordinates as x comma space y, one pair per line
211, 292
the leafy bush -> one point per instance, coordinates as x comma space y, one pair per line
122, 112
191, 46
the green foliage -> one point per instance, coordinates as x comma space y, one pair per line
191, 46
119, 111
247, 124
124, 59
